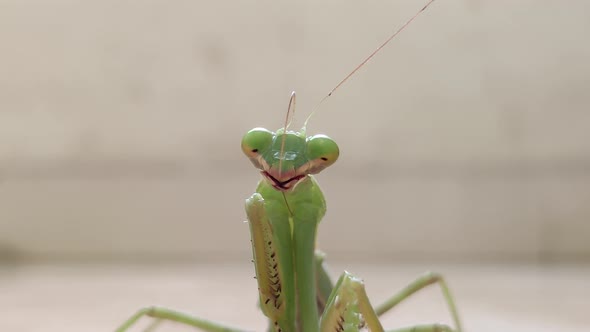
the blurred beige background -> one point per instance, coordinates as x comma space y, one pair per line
465, 139
464, 149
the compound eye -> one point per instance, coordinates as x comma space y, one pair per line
322, 152
255, 142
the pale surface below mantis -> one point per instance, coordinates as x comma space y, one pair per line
83, 297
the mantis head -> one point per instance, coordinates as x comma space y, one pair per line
287, 157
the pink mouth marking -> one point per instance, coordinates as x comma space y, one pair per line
282, 185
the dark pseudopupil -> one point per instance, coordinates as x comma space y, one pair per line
324, 159
254, 150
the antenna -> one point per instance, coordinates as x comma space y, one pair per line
367, 60
292, 102
291, 106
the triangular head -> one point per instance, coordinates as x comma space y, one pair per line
285, 158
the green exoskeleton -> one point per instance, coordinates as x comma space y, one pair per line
295, 291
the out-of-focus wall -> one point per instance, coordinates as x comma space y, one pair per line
466, 138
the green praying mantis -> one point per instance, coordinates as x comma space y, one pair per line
296, 293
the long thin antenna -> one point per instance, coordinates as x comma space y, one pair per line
290, 110
367, 59
292, 102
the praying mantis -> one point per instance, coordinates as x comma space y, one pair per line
295, 291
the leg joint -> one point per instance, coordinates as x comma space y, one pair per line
149, 311
432, 277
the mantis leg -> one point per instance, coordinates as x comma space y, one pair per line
175, 316
271, 239
416, 285
348, 308
425, 328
